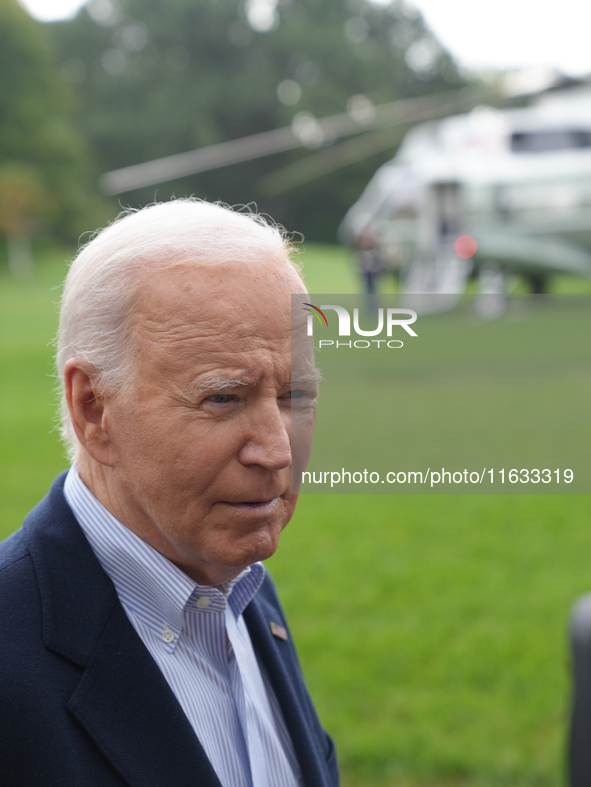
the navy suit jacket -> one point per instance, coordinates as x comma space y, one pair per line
82, 702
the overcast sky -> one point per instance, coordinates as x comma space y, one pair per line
479, 33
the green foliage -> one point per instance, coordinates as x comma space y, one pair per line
37, 137
157, 78
21, 196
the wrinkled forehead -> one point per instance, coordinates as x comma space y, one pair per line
266, 284
217, 310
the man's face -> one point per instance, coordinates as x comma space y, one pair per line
202, 440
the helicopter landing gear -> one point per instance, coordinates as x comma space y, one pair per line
491, 301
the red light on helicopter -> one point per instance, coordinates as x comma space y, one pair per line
465, 246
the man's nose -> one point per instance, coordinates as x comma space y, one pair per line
268, 443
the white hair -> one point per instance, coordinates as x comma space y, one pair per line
101, 288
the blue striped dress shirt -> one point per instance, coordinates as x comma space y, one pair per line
199, 640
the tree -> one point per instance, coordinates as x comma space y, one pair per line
22, 199
44, 164
161, 78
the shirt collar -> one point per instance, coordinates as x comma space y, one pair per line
146, 579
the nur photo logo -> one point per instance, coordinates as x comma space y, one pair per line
387, 319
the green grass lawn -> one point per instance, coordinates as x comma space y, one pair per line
432, 630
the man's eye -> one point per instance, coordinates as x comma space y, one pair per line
220, 398
299, 394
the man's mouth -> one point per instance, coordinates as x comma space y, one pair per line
256, 506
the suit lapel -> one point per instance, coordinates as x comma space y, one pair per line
280, 661
122, 699
134, 717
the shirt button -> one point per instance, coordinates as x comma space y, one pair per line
203, 602
168, 635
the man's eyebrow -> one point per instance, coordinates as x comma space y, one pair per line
223, 383
220, 383
304, 379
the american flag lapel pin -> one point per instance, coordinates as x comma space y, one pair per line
278, 631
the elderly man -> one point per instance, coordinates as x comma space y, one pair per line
142, 640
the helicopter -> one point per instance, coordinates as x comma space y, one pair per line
487, 194
514, 182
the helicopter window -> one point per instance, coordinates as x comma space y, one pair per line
541, 141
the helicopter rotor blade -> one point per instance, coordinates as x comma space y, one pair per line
317, 132
316, 165
328, 160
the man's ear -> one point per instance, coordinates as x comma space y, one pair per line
87, 410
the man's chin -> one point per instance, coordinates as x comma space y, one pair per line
258, 545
